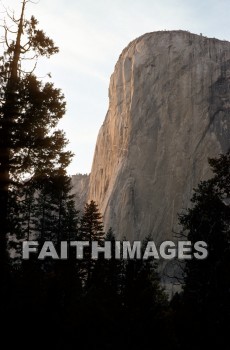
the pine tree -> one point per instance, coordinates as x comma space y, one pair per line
30, 144
113, 267
91, 229
206, 296
108, 273
56, 216
91, 223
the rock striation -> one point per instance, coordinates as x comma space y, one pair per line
169, 110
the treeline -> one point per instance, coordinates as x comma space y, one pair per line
116, 303
104, 303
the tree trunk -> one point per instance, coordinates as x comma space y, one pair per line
9, 112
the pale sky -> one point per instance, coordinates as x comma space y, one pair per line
91, 35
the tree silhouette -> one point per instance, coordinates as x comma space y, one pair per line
91, 229
206, 296
30, 144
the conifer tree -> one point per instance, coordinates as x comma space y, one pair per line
144, 303
91, 223
30, 144
56, 216
206, 297
91, 229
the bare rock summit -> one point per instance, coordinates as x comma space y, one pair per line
169, 110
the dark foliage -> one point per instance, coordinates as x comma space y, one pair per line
204, 305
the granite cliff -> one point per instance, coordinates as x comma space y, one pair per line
169, 110
80, 183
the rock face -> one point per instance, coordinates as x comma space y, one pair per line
80, 183
169, 110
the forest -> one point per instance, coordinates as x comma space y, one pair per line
88, 303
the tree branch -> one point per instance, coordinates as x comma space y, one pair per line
6, 39
10, 16
30, 72
33, 2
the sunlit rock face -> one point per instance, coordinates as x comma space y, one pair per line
169, 108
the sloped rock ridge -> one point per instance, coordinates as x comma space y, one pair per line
169, 109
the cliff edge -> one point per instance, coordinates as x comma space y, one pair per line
169, 110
